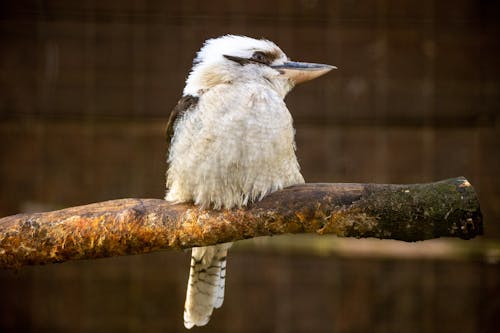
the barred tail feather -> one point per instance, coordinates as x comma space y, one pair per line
222, 282
205, 289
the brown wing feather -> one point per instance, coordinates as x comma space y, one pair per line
185, 104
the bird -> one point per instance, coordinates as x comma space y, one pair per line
231, 142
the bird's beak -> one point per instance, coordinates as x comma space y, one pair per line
299, 72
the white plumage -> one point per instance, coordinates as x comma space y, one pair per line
232, 143
237, 145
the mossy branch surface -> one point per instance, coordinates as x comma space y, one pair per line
448, 208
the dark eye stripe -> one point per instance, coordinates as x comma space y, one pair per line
263, 57
259, 57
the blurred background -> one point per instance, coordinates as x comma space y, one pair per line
86, 88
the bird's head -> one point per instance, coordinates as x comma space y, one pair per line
231, 59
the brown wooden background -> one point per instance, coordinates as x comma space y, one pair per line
85, 91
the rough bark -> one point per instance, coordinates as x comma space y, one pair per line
448, 208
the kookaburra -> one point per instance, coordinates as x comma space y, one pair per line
231, 142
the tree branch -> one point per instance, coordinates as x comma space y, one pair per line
448, 208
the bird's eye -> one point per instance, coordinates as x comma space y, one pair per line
260, 57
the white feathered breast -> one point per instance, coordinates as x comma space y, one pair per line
235, 146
